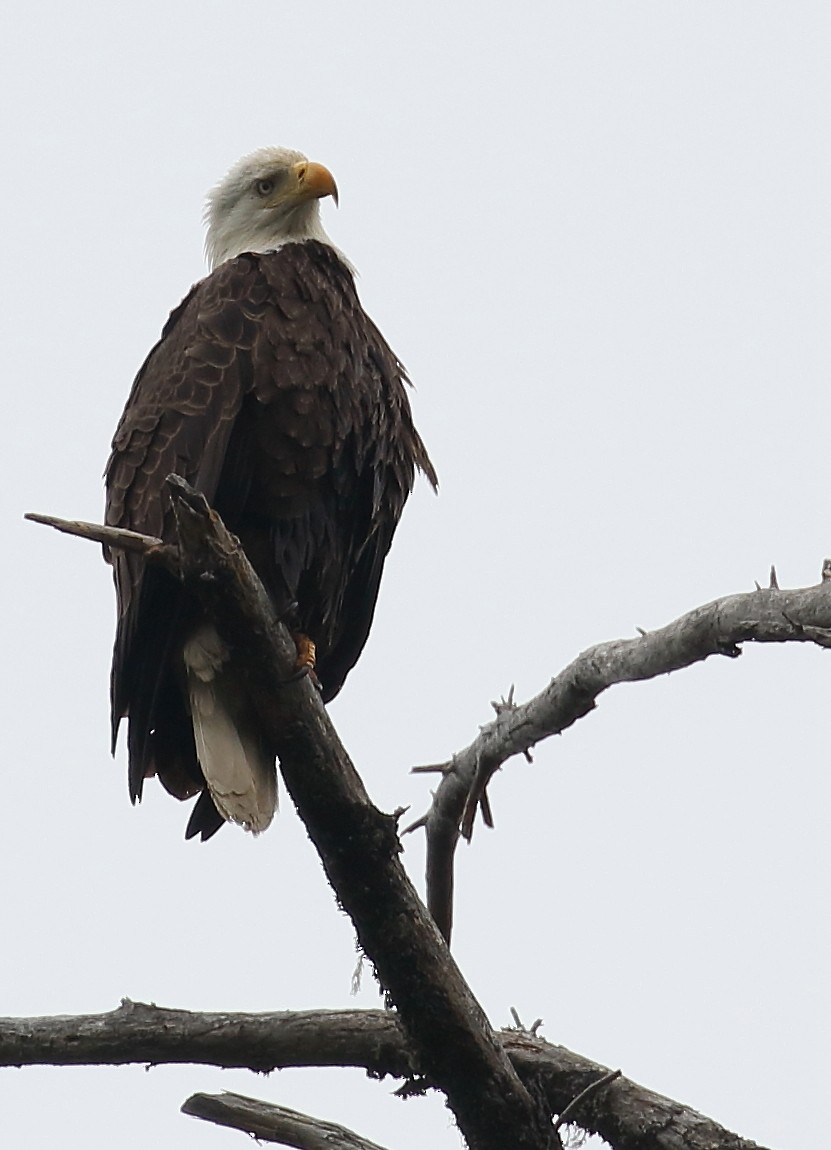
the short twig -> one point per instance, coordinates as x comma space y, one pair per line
592, 1088
485, 808
520, 1025
416, 826
432, 769
504, 704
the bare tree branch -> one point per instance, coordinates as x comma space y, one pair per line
117, 537
138, 1032
767, 615
270, 1123
358, 845
626, 1115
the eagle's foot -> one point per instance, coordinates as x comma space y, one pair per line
304, 664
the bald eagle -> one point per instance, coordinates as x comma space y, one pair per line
274, 394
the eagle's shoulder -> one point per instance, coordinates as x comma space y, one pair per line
185, 396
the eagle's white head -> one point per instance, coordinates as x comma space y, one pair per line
267, 199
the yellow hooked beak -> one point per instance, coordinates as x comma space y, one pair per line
310, 181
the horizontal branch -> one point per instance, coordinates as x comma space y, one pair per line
627, 1116
718, 628
138, 1032
269, 1123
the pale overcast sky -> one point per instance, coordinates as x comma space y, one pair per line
598, 236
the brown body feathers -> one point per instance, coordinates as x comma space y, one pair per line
273, 393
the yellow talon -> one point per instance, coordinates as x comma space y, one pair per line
305, 653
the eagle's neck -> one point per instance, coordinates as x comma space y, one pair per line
229, 238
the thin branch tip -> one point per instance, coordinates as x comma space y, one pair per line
116, 538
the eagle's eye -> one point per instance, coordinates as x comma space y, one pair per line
264, 187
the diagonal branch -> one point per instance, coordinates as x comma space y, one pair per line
269, 1123
358, 845
718, 628
626, 1115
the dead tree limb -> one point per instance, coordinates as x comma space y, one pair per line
143, 1033
269, 1123
626, 1115
767, 615
116, 537
358, 845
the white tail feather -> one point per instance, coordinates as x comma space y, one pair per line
241, 776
